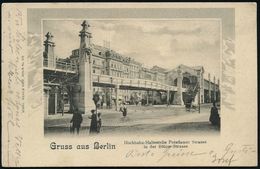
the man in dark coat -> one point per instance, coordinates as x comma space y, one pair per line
214, 116
99, 122
76, 121
93, 123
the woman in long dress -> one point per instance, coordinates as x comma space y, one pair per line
93, 123
214, 116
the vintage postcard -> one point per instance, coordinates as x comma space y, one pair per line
171, 84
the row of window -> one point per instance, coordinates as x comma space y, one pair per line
116, 66
135, 68
99, 89
115, 73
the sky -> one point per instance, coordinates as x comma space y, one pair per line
166, 43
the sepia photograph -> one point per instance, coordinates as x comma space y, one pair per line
110, 77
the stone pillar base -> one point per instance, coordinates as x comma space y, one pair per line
178, 99
84, 103
168, 97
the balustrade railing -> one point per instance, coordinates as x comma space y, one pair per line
131, 82
59, 65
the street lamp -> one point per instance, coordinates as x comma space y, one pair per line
199, 79
199, 96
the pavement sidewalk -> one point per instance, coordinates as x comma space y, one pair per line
136, 115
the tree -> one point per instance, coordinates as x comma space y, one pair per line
67, 85
70, 96
192, 91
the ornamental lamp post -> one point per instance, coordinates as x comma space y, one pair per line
199, 98
199, 88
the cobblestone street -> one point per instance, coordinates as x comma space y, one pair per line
141, 120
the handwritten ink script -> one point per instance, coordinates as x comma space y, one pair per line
15, 87
230, 154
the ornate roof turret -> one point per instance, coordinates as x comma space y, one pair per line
85, 31
49, 37
48, 52
85, 36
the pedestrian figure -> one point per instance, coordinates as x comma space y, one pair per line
214, 116
123, 109
62, 106
99, 123
93, 123
76, 121
102, 103
189, 104
108, 104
